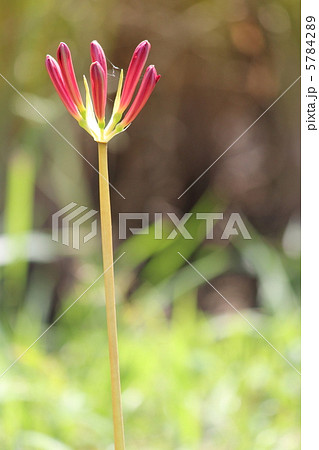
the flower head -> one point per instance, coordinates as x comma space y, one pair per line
92, 116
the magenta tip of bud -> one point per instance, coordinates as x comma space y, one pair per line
96, 67
144, 44
94, 44
51, 64
152, 68
142, 48
63, 48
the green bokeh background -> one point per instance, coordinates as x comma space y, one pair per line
195, 374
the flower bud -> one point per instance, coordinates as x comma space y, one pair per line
148, 84
67, 70
97, 54
59, 84
98, 91
133, 73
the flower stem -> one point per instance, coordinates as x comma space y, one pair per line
107, 251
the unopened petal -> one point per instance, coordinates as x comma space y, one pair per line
98, 91
59, 84
147, 86
67, 70
133, 73
97, 55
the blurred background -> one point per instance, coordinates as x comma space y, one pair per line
195, 374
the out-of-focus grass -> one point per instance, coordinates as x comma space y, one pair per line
18, 221
193, 382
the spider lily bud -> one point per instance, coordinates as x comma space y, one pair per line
66, 66
98, 84
148, 84
97, 54
133, 73
59, 84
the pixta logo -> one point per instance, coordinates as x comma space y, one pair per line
234, 226
71, 225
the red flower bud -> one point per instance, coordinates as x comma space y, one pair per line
97, 54
148, 84
59, 84
133, 73
98, 85
67, 70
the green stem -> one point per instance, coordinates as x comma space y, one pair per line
107, 251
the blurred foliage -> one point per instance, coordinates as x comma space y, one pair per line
193, 383
195, 374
